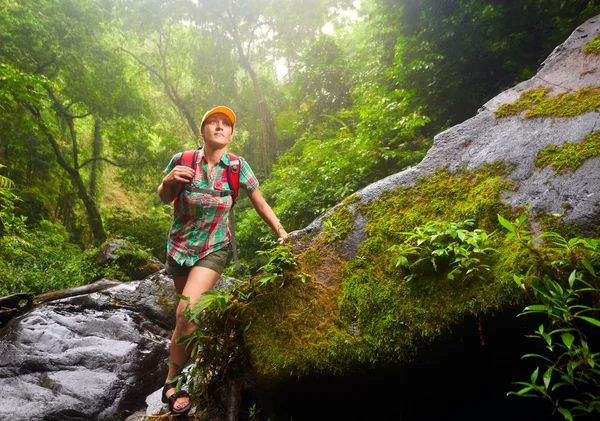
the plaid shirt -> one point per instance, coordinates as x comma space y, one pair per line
200, 220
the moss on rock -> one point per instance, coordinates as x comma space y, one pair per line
593, 47
569, 156
363, 311
538, 103
338, 225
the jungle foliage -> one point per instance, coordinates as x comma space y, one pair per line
96, 96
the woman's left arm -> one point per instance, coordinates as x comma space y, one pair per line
267, 214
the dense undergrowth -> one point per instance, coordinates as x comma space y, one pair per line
41, 256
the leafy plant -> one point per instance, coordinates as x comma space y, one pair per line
5, 182
148, 230
218, 355
40, 259
280, 259
571, 375
445, 246
9, 222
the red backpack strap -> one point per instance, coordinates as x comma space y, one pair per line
233, 179
233, 175
188, 158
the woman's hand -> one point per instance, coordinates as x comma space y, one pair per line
283, 237
168, 188
179, 174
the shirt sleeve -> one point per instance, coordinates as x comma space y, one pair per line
248, 180
176, 159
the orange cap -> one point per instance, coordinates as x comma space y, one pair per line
220, 109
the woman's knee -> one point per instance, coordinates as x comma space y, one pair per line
181, 321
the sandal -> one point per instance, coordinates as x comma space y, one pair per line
171, 399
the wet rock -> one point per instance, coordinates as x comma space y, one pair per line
94, 356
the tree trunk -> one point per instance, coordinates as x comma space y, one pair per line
234, 399
96, 168
93, 214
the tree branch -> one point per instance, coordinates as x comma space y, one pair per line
69, 119
101, 158
144, 65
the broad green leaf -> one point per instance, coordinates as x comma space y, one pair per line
207, 299
518, 280
568, 339
506, 224
537, 307
537, 356
522, 391
557, 385
534, 375
401, 261
547, 377
572, 278
589, 267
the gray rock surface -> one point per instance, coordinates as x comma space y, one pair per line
88, 357
515, 141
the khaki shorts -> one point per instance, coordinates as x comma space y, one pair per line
215, 261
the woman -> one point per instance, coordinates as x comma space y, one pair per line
198, 241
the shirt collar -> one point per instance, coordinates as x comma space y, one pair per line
224, 159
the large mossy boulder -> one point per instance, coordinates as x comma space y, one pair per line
533, 149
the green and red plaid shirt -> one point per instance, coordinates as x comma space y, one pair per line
200, 221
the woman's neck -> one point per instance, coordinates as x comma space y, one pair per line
213, 155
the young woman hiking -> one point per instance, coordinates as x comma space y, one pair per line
199, 238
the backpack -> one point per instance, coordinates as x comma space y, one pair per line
189, 158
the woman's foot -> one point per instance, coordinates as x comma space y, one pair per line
179, 401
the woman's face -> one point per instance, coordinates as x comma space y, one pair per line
217, 129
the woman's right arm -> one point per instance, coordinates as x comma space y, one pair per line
168, 188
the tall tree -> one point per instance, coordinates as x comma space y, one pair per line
179, 57
68, 43
268, 28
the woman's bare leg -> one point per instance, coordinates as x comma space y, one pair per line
199, 280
